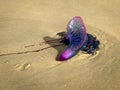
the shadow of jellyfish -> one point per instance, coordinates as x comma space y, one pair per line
59, 44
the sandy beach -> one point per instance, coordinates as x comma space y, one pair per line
26, 25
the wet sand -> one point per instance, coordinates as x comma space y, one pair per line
24, 25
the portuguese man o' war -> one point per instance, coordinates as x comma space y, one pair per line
78, 39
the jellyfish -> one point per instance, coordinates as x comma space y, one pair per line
75, 38
76, 35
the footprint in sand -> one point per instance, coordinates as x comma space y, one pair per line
22, 67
